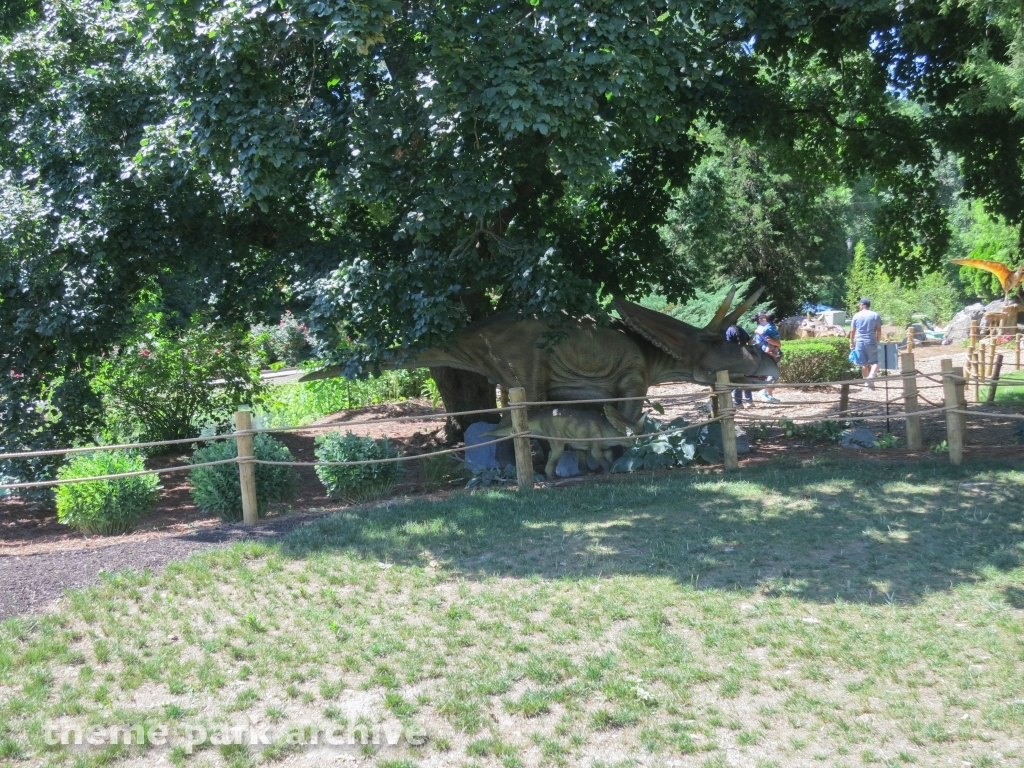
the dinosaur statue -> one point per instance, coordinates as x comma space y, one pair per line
582, 360
1008, 278
564, 427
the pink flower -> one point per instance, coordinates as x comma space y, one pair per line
144, 353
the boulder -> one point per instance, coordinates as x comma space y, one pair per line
485, 457
858, 438
799, 327
959, 328
568, 465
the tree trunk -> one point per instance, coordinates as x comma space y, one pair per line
463, 391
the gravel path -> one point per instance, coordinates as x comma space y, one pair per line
33, 583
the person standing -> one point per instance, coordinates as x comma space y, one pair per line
767, 337
735, 334
865, 333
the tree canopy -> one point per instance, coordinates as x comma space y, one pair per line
396, 169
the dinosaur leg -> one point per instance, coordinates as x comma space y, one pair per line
557, 449
581, 461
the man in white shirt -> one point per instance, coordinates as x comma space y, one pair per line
865, 333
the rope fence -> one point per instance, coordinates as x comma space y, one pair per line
953, 404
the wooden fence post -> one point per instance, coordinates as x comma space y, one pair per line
844, 395
246, 469
908, 369
521, 423
996, 370
977, 373
954, 437
1016, 353
961, 400
910, 339
974, 333
725, 408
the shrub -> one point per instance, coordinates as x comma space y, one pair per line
287, 342
106, 507
934, 294
364, 482
823, 359
216, 489
163, 383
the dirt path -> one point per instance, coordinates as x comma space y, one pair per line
35, 582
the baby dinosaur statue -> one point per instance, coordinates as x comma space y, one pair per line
574, 428
582, 360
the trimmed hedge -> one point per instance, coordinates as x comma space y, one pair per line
821, 359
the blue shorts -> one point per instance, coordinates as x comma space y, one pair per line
867, 352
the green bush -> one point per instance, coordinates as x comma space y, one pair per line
287, 342
216, 489
808, 360
106, 507
160, 387
364, 482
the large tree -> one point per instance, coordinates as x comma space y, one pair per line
400, 168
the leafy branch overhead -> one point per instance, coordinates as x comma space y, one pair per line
393, 171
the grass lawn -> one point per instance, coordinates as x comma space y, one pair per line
827, 613
1013, 393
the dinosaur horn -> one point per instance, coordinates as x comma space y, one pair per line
716, 322
743, 308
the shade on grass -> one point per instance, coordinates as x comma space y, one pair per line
817, 612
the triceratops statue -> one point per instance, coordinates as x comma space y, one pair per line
582, 360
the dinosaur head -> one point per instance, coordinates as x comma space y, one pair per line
697, 354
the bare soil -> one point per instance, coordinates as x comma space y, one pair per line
40, 558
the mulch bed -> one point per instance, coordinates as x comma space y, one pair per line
40, 558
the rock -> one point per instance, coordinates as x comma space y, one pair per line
799, 327
568, 465
959, 328
1000, 306
481, 458
858, 438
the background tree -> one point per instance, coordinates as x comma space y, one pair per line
739, 218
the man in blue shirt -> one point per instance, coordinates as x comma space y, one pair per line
865, 333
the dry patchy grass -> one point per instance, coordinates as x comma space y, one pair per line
808, 615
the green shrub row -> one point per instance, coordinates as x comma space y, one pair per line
304, 402
811, 360
115, 506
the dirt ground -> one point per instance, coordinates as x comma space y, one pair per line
40, 558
